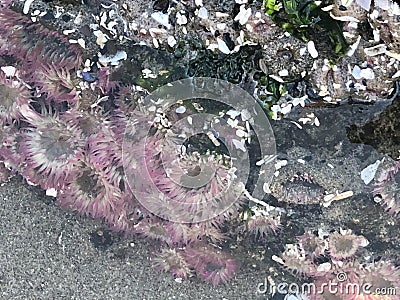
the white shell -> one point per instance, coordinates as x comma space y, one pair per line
203, 13
384, 4
114, 60
27, 5
222, 46
51, 192
283, 73
368, 173
171, 41
180, 110
181, 19
243, 15
311, 49
366, 4
161, 18
245, 115
356, 72
233, 113
286, 109
367, 73
10, 71
239, 144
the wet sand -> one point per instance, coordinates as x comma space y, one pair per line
47, 252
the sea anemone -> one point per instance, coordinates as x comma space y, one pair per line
211, 264
313, 245
89, 192
386, 190
296, 261
345, 244
262, 222
181, 234
125, 216
196, 184
303, 189
13, 93
383, 280
171, 260
154, 228
185, 234
127, 98
56, 82
106, 151
32, 42
50, 147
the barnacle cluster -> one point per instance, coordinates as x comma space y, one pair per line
333, 260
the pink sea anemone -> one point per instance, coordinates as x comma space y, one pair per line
127, 99
387, 188
154, 228
184, 187
56, 82
195, 184
181, 234
211, 264
314, 246
125, 216
13, 93
262, 223
102, 143
296, 261
89, 192
344, 244
186, 234
32, 42
50, 147
172, 260
382, 280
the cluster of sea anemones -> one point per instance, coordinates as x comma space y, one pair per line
209, 263
67, 136
337, 272
47, 135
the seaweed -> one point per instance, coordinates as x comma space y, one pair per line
306, 20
